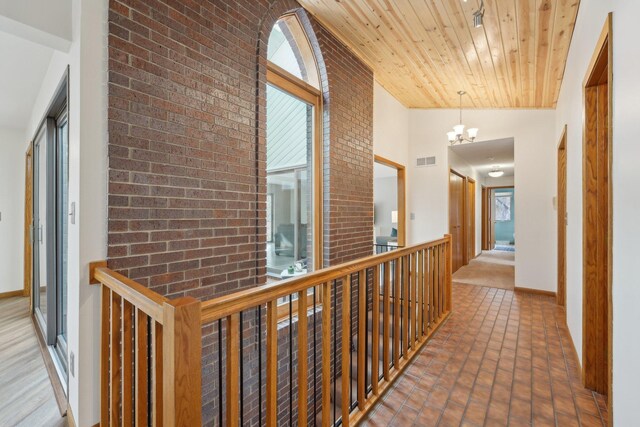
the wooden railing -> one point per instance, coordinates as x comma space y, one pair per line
150, 355
382, 309
350, 332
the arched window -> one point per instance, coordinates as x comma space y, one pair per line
294, 173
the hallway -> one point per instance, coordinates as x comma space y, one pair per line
503, 358
26, 397
491, 268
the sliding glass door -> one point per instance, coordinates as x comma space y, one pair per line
50, 227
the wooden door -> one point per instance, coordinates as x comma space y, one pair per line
562, 219
28, 219
597, 223
471, 220
457, 219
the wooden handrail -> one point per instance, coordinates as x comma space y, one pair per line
389, 303
142, 297
152, 346
221, 307
148, 344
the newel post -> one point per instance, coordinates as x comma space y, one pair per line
449, 272
181, 363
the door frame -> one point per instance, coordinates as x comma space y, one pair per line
488, 231
401, 193
470, 216
463, 233
561, 205
594, 307
28, 221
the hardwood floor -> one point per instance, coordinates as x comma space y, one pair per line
503, 358
26, 394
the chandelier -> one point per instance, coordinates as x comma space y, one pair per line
457, 135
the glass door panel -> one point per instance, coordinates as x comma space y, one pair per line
63, 237
40, 281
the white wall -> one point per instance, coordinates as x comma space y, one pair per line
625, 177
86, 59
498, 182
391, 138
46, 22
12, 163
534, 151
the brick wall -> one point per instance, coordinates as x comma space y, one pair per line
186, 144
187, 155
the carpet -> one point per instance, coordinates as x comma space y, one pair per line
494, 269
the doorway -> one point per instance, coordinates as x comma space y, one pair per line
498, 218
457, 220
597, 309
562, 219
389, 194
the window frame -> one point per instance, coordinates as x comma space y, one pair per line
298, 88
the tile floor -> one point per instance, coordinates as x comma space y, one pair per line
503, 358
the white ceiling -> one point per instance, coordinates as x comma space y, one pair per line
483, 155
22, 69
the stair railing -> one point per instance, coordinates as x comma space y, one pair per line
382, 308
351, 331
150, 354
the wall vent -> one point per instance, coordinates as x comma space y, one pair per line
422, 162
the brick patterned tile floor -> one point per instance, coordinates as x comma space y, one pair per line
503, 358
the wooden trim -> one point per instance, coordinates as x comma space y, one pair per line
296, 87
561, 206
534, 291
470, 217
401, 193
92, 271
140, 296
597, 249
217, 308
362, 334
375, 331
70, 418
463, 232
306, 52
182, 357
485, 218
28, 220
387, 316
326, 349
345, 404
105, 315
11, 294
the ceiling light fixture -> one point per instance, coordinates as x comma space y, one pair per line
496, 172
457, 135
478, 15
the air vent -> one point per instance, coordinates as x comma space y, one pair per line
422, 162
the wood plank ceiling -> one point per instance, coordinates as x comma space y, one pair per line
424, 51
